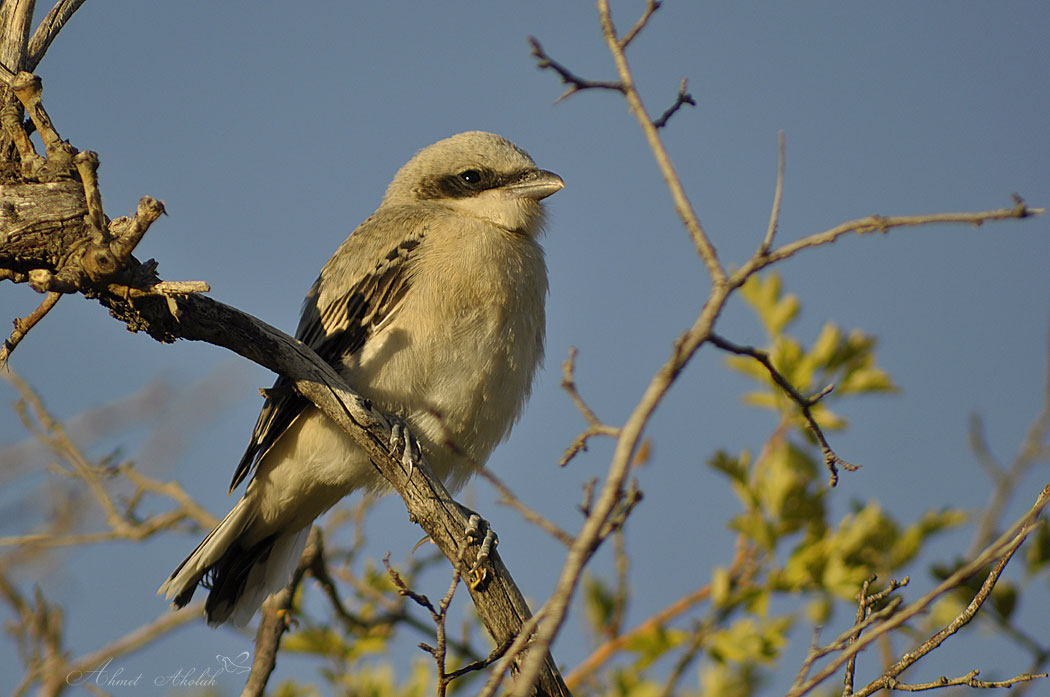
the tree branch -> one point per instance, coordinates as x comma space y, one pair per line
48, 30
22, 326
1005, 546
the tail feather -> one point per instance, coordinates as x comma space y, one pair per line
239, 577
183, 581
265, 571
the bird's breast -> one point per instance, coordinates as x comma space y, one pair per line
458, 357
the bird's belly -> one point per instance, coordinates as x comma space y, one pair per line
459, 380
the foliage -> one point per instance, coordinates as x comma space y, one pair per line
797, 554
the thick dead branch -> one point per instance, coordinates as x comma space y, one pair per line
49, 28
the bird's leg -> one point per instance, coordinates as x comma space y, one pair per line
402, 439
475, 522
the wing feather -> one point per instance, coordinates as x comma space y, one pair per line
361, 285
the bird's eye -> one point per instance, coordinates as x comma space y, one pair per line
470, 176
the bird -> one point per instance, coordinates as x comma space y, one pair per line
433, 308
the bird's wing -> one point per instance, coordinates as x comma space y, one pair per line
361, 285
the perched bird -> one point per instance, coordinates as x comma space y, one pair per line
433, 308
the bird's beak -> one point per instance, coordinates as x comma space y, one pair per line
537, 184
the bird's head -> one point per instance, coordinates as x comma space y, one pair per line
481, 175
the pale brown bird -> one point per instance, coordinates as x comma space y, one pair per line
433, 308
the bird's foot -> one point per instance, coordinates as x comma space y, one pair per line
401, 439
477, 575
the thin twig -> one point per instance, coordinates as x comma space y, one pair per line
862, 611
607, 650
54, 435
842, 641
23, 325
612, 492
508, 498
876, 223
960, 621
521, 642
1005, 480
575, 82
650, 8
682, 205
970, 680
481, 664
778, 195
1006, 545
595, 427
681, 100
805, 404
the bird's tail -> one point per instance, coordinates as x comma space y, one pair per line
239, 576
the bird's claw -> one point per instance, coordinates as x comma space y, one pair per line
476, 574
402, 439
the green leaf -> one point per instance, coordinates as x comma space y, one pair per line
767, 400
599, 602
652, 644
749, 641
721, 587
736, 468
914, 536
774, 311
1004, 599
1037, 554
826, 345
748, 366
866, 380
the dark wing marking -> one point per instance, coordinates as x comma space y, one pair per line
338, 317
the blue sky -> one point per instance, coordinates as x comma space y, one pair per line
270, 133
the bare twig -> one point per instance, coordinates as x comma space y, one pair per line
681, 100
23, 325
805, 404
970, 680
778, 195
395, 613
575, 82
1003, 547
960, 621
508, 498
438, 615
607, 650
481, 664
862, 612
651, 6
521, 643
876, 223
682, 205
595, 427
1005, 479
